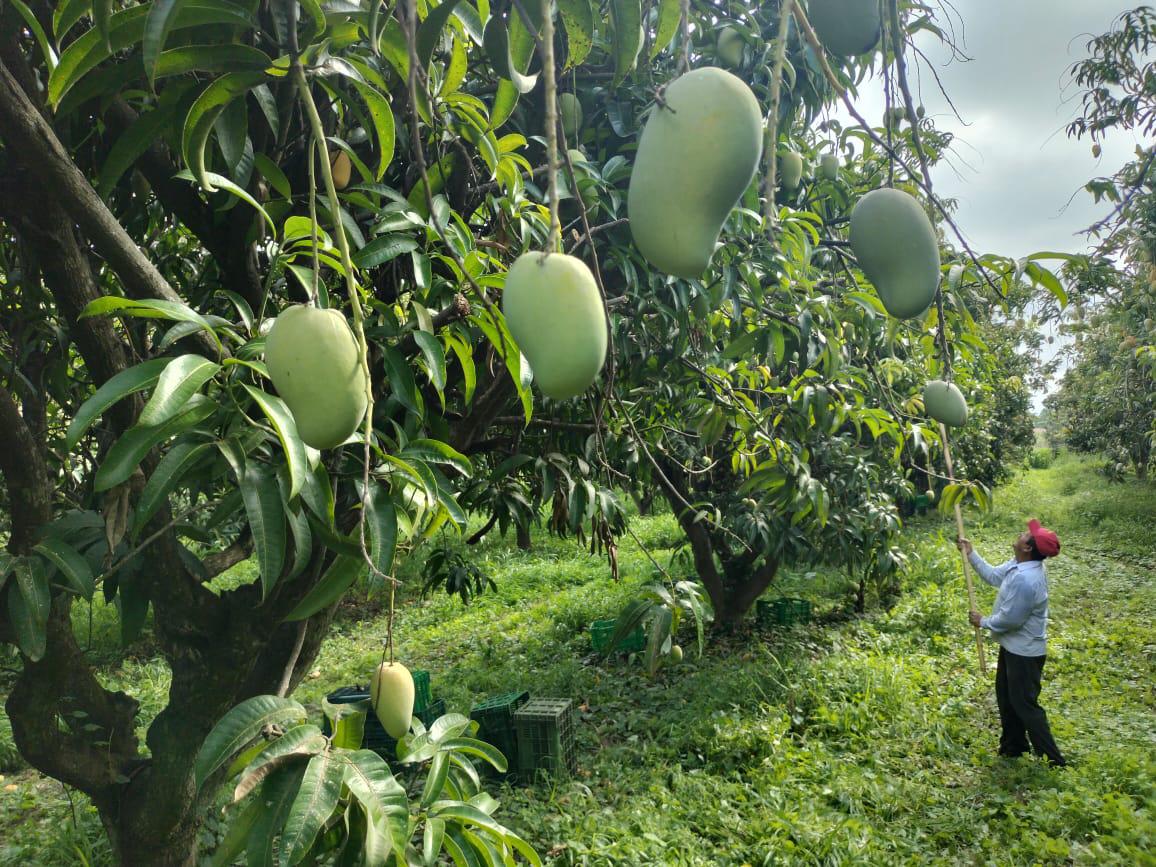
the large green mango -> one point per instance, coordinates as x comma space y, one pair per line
315, 364
555, 313
897, 249
570, 113
944, 402
697, 155
846, 27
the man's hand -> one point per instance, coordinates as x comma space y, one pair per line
964, 546
975, 617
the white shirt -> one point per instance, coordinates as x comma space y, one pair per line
1020, 617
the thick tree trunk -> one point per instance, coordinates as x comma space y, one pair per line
525, 542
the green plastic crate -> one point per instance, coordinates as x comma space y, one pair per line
431, 712
495, 718
421, 693
545, 732
783, 612
601, 631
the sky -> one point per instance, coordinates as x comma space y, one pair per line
1017, 176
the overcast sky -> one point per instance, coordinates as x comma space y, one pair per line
1020, 178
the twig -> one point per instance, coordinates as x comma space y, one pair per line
291, 663
770, 158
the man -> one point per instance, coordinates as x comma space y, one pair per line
1019, 624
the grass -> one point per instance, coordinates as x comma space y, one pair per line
865, 741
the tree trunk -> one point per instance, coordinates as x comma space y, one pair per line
157, 847
525, 543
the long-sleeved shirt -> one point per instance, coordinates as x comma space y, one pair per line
1019, 619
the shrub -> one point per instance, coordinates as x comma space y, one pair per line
1040, 459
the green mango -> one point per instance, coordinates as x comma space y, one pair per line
391, 692
846, 27
944, 402
315, 364
790, 170
829, 167
570, 113
587, 186
896, 246
697, 154
730, 47
555, 313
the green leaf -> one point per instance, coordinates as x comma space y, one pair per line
28, 606
232, 129
348, 722
165, 478
276, 796
669, 17
128, 451
381, 116
210, 58
630, 618
173, 311
220, 182
435, 357
436, 452
238, 727
266, 520
627, 18
203, 114
383, 249
382, 517
239, 828
129, 147
181, 379
126, 382
101, 12
160, 20
502, 56
430, 31
401, 379
578, 18
315, 802
38, 33
338, 578
372, 783
127, 28
432, 838
282, 420
659, 635
435, 780
295, 744
65, 16
475, 747
271, 172
71, 564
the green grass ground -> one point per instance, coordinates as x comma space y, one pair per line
862, 741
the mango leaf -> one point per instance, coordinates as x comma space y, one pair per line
33, 24
295, 744
383, 249
669, 17
28, 605
276, 797
315, 802
475, 747
239, 828
348, 722
173, 311
658, 638
430, 31
401, 380
578, 18
384, 127
502, 57
338, 578
65, 16
69, 562
126, 382
372, 783
435, 357
203, 114
160, 20
220, 182
627, 18
284, 13
238, 727
128, 451
129, 147
436, 452
432, 840
266, 520
181, 379
210, 58
127, 28
283, 422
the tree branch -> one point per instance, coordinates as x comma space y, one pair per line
25, 475
33, 144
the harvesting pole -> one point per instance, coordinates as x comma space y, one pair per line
966, 565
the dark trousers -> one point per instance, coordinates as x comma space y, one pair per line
1017, 691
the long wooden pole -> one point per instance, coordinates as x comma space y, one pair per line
966, 565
